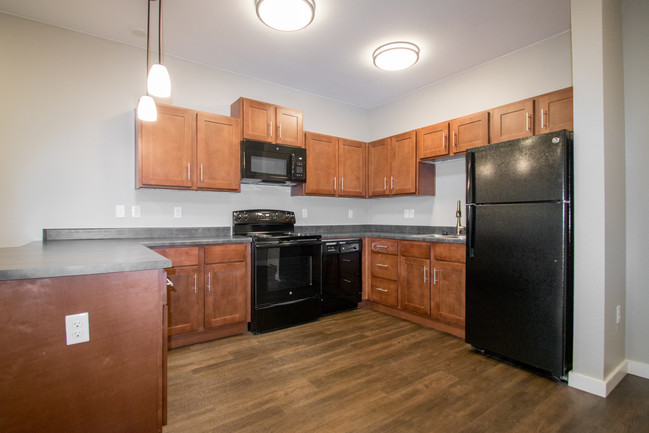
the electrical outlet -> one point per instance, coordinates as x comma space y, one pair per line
411, 213
178, 212
120, 211
136, 211
350, 213
77, 328
405, 213
305, 213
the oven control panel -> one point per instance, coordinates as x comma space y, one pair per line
259, 216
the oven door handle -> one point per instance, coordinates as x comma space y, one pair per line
293, 301
297, 243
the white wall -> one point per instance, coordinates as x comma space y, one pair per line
635, 16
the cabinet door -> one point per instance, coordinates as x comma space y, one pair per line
512, 121
226, 293
218, 152
183, 300
258, 118
288, 129
554, 111
378, 168
321, 164
469, 131
449, 292
351, 168
432, 141
403, 179
414, 285
166, 149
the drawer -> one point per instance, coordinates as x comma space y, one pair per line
180, 256
449, 252
414, 249
384, 266
225, 253
387, 246
384, 291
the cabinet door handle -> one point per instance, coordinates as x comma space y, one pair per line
542, 118
342, 183
381, 265
444, 139
381, 290
527, 121
385, 183
392, 183
454, 141
169, 282
280, 131
434, 275
189, 171
194, 283
334, 183
425, 272
201, 172
271, 128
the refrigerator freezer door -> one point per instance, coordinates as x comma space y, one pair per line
517, 284
525, 170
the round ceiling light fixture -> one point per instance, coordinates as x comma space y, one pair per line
286, 15
396, 56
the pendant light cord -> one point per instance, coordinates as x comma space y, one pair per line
159, 32
148, 30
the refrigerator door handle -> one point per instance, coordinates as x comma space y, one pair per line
470, 230
470, 177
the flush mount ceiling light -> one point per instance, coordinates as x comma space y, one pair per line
396, 56
286, 15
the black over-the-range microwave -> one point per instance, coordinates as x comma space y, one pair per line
274, 164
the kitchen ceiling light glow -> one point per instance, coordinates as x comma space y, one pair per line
146, 110
286, 15
396, 56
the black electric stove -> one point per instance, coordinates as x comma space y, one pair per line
286, 269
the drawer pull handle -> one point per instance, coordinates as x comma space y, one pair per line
382, 290
380, 247
381, 265
346, 280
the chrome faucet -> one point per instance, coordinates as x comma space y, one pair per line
458, 214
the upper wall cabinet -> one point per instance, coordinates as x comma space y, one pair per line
512, 121
432, 141
554, 111
187, 149
269, 123
392, 165
469, 131
335, 167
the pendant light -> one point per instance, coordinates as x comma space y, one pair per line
286, 15
158, 82
396, 56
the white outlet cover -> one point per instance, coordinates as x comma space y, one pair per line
120, 211
77, 328
178, 212
305, 213
405, 213
136, 211
350, 213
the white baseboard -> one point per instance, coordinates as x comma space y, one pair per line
638, 369
597, 386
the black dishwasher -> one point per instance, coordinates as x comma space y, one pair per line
341, 275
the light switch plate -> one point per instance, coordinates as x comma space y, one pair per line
77, 328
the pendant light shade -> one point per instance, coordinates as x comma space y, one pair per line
158, 82
396, 56
286, 15
146, 110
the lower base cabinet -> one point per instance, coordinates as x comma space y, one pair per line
426, 286
209, 294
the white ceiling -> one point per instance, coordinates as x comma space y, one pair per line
331, 57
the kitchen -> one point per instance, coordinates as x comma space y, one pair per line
92, 146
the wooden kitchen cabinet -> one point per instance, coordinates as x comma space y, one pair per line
384, 272
269, 123
210, 296
432, 141
554, 111
414, 277
392, 165
335, 167
226, 298
449, 280
512, 121
187, 149
469, 131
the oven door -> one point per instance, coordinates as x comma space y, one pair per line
287, 272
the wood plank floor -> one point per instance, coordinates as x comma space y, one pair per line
364, 371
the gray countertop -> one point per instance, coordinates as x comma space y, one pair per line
67, 252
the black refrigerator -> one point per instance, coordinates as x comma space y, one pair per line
519, 267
